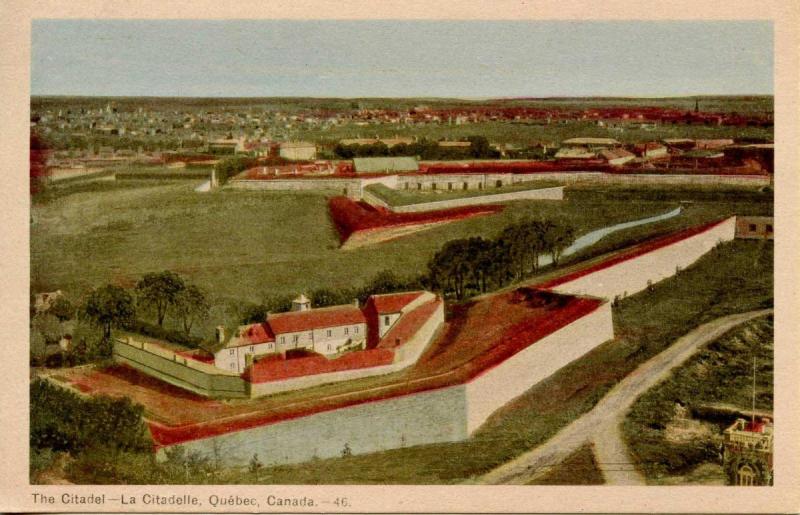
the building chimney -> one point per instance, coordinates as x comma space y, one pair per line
220, 334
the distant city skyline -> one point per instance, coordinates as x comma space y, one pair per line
383, 58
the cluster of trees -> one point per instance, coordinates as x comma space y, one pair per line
231, 166
479, 148
477, 264
157, 293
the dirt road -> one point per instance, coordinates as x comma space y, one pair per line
601, 425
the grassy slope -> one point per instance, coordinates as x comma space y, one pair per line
721, 373
238, 244
406, 197
580, 468
736, 277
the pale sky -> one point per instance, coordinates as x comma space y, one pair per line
375, 58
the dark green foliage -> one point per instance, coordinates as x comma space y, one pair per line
479, 148
62, 421
227, 168
162, 333
109, 307
477, 264
62, 309
191, 306
159, 291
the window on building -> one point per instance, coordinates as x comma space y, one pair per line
355, 329
233, 366
752, 227
232, 352
419, 185
449, 185
311, 336
328, 333
406, 185
465, 186
329, 347
251, 348
498, 183
269, 346
480, 185
295, 338
769, 227
283, 340
346, 330
386, 320
433, 185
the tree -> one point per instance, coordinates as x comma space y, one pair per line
110, 307
159, 291
191, 306
62, 309
48, 326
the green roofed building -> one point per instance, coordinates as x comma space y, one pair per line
385, 164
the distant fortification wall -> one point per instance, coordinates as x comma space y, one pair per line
633, 275
555, 193
349, 187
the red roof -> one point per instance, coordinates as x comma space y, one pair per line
408, 325
257, 333
394, 302
297, 321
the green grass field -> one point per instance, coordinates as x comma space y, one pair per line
407, 197
244, 246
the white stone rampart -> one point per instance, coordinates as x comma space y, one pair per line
411, 350
428, 417
494, 388
634, 274
555, 193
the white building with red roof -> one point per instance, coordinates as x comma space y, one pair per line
329, 331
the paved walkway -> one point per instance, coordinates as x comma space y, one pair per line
601, 425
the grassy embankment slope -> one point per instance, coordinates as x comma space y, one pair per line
243, 246
668, 450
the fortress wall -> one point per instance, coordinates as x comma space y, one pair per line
349, 187
179, 374
410, 351
496, 387
632, 275
424, 418
556, 193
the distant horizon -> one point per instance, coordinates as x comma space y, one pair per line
422, 97
400, 59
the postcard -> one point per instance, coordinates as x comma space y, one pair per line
327, 258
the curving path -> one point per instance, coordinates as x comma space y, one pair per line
601, 425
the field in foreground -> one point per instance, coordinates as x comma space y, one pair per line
733, 278
245, 246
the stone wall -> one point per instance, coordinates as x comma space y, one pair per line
424, 418
177, 370
348, 187
494, 388
556, 193
634, 275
